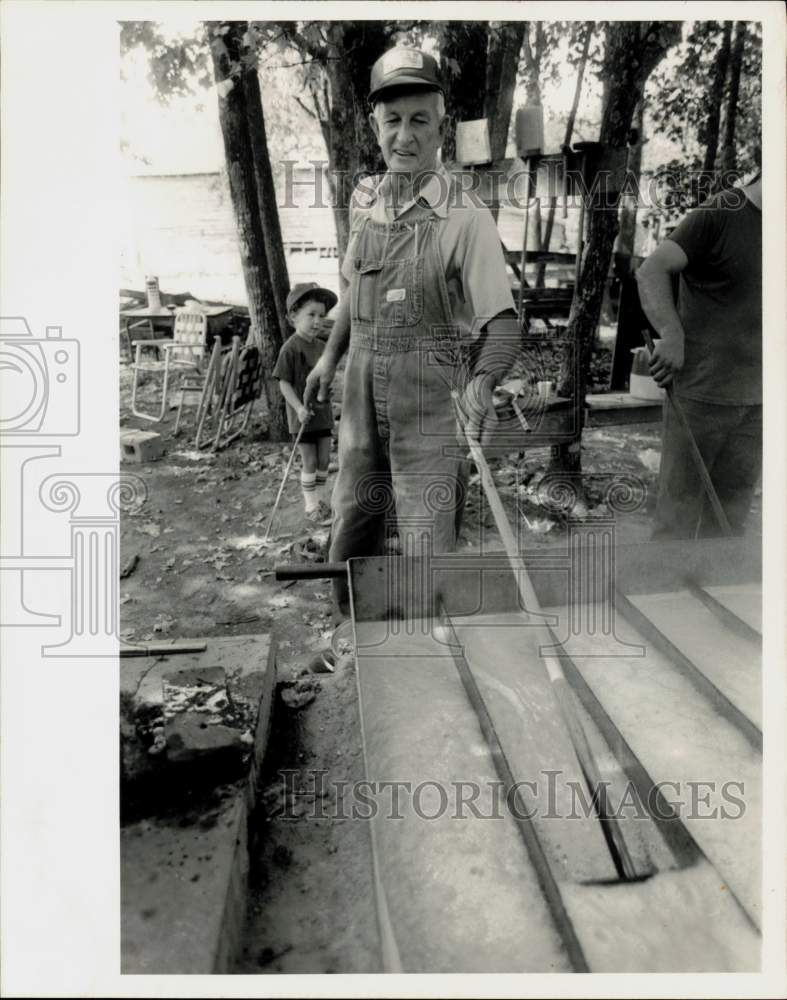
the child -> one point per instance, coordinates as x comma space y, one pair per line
307, 305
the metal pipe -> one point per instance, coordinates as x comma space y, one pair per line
310, 571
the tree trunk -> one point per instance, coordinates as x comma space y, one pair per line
505, 44
624, 246
463, 48
352, 49
226, 49
572, 117
633, 49
266, 193
727, 157
709, 136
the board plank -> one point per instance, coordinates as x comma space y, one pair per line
460, 891
503, 655
744, 600
677, 921
728, 660
678, 737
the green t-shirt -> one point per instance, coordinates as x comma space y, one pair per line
296, 359
720, 301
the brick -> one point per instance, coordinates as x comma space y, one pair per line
140, 446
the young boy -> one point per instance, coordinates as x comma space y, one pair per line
307, 305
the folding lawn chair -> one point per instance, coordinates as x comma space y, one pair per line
232, 383
184, 353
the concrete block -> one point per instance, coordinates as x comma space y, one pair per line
183, 891
140, 446
194, 720
190, 737
185, 860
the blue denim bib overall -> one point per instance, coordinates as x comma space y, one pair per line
397, 437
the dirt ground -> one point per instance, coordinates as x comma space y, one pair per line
204, 569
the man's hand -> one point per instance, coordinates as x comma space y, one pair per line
666, 360
318, 381
304, 413
479, 411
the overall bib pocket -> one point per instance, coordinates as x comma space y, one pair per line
388, 293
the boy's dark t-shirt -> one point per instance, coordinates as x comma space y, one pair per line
296, 359
720, 301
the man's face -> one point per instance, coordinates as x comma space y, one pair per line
409, 129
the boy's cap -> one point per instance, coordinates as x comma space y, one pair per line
310, 289
401, 67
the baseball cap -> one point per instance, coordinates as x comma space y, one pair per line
311, 290
401, 67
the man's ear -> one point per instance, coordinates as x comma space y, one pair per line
374, 124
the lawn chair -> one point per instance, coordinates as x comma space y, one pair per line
207, 385
184, 353
231, 385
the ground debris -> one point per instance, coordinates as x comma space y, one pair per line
243, 620
299, 692
129, 566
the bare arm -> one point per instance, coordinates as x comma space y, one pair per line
320, 377
291, 397
654, 281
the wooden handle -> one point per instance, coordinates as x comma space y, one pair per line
618, 849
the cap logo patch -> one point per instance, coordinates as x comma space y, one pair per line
402, 59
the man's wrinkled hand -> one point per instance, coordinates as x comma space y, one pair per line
318, 382
665, 361
480, 417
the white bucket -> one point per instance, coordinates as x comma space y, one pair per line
645, 387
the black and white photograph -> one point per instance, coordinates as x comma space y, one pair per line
393, 520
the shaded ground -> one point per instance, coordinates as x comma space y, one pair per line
204, 569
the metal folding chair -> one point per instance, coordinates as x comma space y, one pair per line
232, 384
184, 353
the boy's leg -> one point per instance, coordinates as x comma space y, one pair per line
323, 460
308, 453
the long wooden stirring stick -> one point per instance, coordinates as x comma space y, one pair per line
621, 857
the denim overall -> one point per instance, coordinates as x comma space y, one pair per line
398, 448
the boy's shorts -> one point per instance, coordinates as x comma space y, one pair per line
312, 437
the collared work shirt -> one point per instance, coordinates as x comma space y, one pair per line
468, 241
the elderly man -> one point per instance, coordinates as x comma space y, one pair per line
426, 277
710, 349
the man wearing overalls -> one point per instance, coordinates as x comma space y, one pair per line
426, 278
